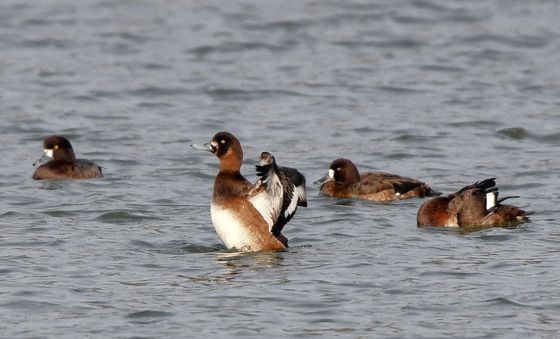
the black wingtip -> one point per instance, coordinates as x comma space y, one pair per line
262, 170
486, 183
482, 184
403, 188
505, 198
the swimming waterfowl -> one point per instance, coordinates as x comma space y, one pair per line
472, 205
344, 181
250, 217
62, 162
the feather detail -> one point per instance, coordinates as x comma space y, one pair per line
284, 192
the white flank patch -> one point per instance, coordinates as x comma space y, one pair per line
229, 229
490, 200
48, 152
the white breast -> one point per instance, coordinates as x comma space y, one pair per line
229, 229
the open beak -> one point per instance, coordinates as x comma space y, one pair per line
47, 155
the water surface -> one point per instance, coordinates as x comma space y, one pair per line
449, 92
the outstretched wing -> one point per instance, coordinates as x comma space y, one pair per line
268, 190
280, 191
293, 183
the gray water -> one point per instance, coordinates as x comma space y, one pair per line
448, 92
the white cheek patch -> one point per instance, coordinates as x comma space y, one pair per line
214, 144
48, 152
331, 173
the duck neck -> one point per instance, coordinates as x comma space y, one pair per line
66, 155
231, 161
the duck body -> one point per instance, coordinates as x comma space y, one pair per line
236, 220
78, 169
246, 216
344, 181
62, 162
473, 205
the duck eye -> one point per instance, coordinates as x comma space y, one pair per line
55, 147
338, 169
223, 141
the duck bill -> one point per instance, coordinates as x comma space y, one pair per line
323, 180
47, 155
328, 177
205, 147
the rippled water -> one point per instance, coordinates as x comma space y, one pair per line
446, 91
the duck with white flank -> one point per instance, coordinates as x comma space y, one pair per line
246, 216
472, 205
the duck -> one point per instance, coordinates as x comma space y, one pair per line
477, 204
250, 217
343, 180
59, 162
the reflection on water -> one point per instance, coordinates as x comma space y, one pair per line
256, 260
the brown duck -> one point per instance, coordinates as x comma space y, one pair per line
472, 205
344, 181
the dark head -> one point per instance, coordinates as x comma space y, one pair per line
266, 159
227, 148
341, 171
58, 148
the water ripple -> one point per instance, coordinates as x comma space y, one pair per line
30, 306
256, 94
156, 91
521, 133
149, 313
123, 217
47, 43
511, 41
234, 47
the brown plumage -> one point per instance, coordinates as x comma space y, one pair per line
244, 215
470, 207
63, 163
344, 181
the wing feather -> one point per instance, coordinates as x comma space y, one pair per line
284, 192
268, 201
